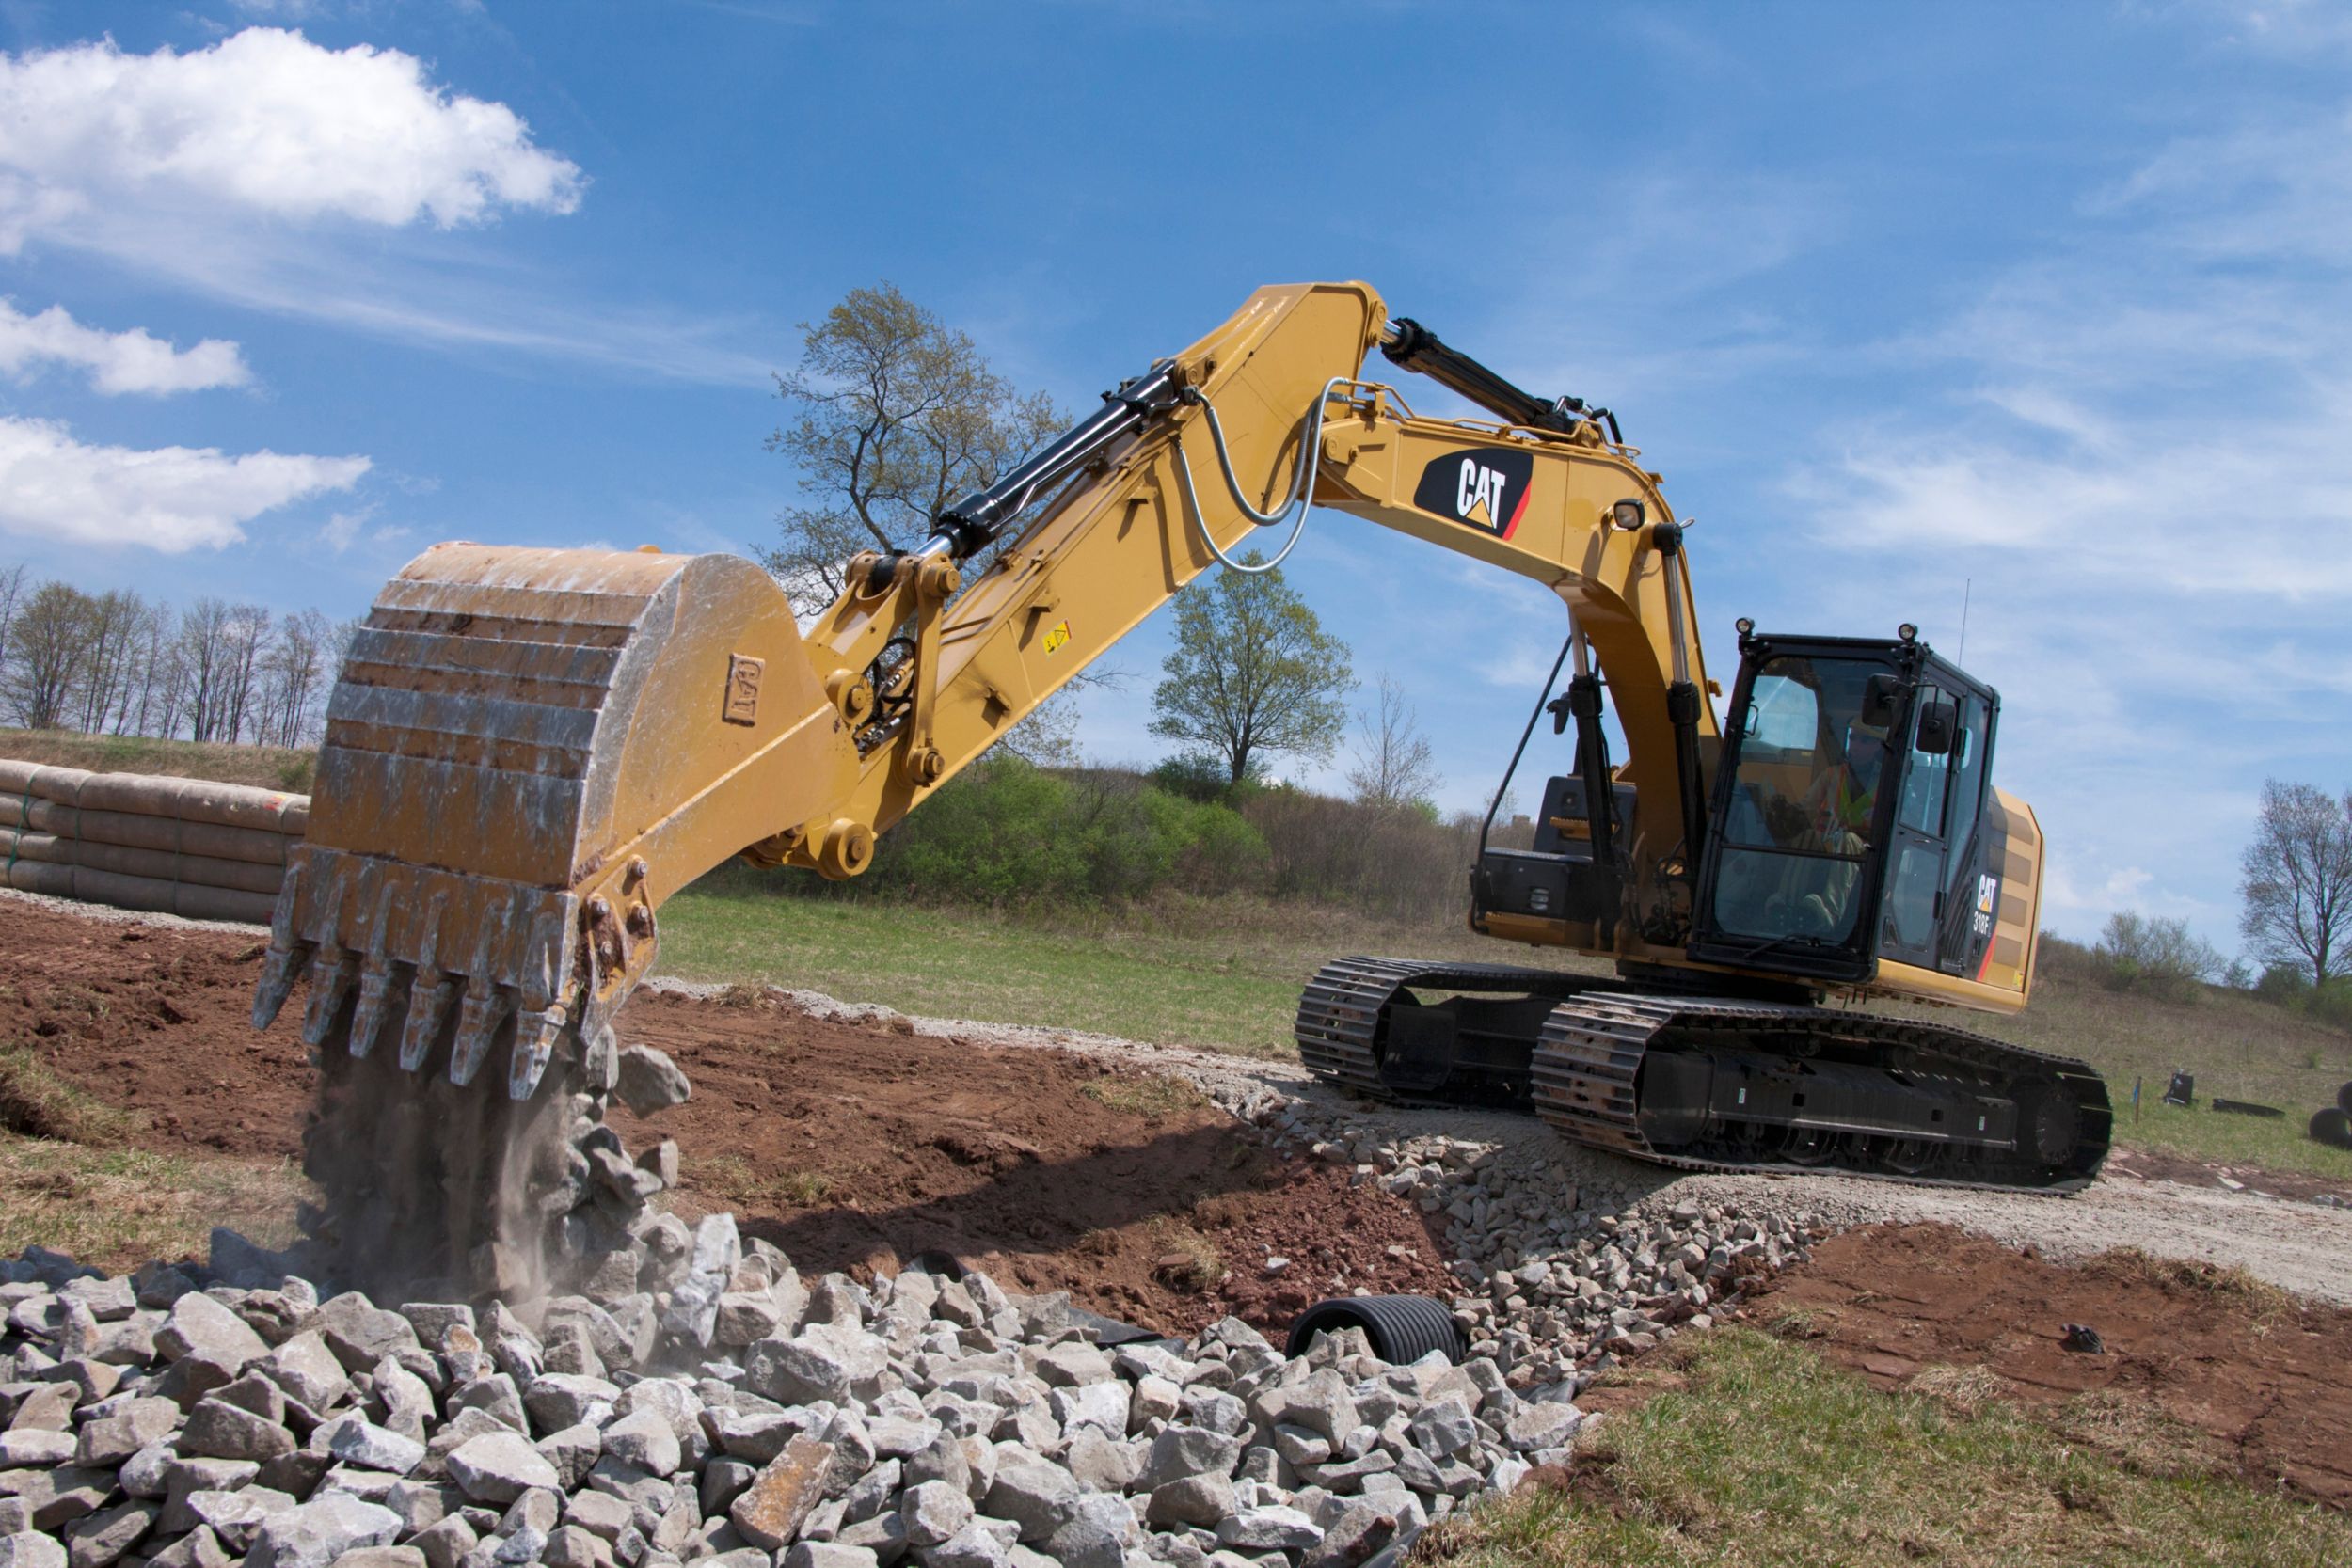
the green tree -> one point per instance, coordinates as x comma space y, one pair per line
2298, 881
1253, 673
894, 415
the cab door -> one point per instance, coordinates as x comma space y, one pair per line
1910, 913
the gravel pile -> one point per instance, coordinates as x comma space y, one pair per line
726, 1411
1558, 1273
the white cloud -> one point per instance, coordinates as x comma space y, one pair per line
172, 499
118, 362
266, 121
2139, 457
343, 529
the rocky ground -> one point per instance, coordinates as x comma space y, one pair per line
767, 1370
730, 1412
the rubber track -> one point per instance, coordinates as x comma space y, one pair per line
1339, 1012
1591, 1050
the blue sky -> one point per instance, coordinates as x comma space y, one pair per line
2048, 301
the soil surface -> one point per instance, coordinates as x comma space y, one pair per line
2261, 1384
853, 1146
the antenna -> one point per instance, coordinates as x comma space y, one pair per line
1962, 657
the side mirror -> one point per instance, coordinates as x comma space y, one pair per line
1938, 723
1879, 696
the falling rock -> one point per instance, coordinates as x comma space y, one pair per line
772, 1509
650, 1081
316, 1533
694, 1309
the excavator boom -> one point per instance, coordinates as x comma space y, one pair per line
529, 751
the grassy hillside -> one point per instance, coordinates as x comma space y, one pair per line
264, 767
1225, 974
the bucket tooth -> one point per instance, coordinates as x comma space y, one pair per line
278, 973
428, 1003
367, 1018
536, 1033
332, 970
477, 1021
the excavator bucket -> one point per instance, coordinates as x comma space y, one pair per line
526, 751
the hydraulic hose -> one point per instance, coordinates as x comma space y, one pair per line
1302, 487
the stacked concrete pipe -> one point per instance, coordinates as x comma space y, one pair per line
185, 847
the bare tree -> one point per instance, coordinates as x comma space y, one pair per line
2297, 881
48, 650
896, 414
153, 707
293, 674
1394, 764
113, 622
11, 595
204, 654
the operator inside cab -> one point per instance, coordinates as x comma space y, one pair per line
1810, 768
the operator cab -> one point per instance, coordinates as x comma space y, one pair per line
1846, 823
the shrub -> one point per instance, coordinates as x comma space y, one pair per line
2331, 1004
2156, 957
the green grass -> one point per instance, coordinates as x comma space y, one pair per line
116, 1208
37, 1102
1222, 974
263, 767
1766, 1456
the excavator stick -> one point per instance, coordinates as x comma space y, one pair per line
526, 751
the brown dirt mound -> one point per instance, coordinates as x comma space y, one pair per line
851, 1147
2203, 1369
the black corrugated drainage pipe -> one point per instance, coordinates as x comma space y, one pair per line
1402, 1329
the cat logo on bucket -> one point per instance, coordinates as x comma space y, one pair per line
1486, 488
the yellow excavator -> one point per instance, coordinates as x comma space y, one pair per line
528, 750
